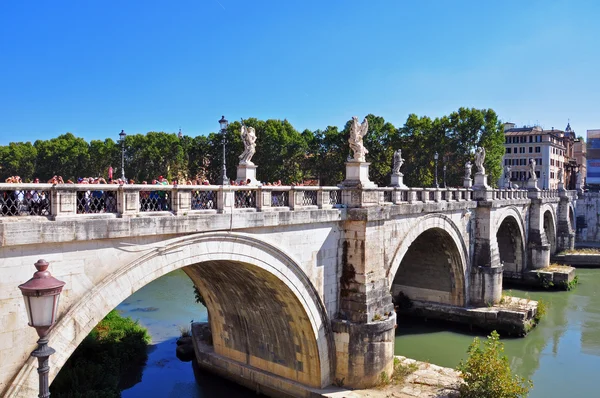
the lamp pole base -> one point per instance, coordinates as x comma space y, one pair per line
42, 353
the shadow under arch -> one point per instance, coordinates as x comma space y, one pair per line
433, 243
258, 258
510, 236
549, 224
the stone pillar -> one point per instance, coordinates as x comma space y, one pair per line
398, 181
486, 276
365, 329
247, 172
263, 200
128, 201
565, 232
225, 200
63, 203
467, 182
481, 181
357, 175
181, 201
538, 247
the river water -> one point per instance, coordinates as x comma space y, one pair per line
561, 355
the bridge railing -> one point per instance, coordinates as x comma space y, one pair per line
95, 199
509, 194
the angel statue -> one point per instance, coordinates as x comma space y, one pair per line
560, 176
398, 162
479, 159
468, 167
532, 174
507, 170
357, 132
249, 139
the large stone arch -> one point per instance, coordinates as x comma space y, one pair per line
433, 241
510, 236
252, 258
572, 218
549, 224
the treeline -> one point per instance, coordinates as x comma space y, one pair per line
282, 153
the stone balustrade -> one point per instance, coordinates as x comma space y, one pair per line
124, 200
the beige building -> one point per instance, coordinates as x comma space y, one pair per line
546, 147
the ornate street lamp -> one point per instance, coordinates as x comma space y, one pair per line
41, 295
223, 123
122, 136
436, 156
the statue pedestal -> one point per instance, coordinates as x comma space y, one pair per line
398, 181
481, 181
561, 186
532, 184
467, 182
357, 175
247, 172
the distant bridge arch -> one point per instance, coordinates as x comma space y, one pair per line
433, 244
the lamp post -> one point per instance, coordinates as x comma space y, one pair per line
41, 294
223, 123
122, 136
435, 156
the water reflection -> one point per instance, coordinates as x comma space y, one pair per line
561, 355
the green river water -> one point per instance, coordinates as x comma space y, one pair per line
561, 356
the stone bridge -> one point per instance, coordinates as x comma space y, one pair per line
298, 281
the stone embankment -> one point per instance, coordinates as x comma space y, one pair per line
427, 381
423, 380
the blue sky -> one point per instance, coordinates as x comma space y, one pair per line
96, 67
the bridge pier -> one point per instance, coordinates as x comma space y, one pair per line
565, 230
365, 329
486, 273
538, 255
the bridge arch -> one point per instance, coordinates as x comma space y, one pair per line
510, 235
549, 222
303, 324
433, 247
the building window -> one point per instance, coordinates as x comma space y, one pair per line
530, 138
551, 162
537, 174
530, 149
507, 150
539, 161
537, 149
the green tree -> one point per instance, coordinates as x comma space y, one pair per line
17, 158
65, 155
487, 373
454, 138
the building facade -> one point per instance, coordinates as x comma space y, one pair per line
546, 147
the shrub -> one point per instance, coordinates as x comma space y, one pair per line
487, 373
106, 361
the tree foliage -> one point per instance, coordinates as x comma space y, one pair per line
487, 373
282, 152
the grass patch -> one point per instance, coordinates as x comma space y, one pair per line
542, 309
398, 377
185, 331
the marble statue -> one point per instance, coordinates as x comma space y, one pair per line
480, 159
249, 139
398, 162
579, 178
507, 169
532, 174
357, 132
468, 167
559, 175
